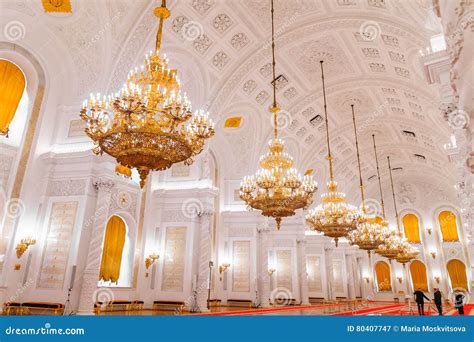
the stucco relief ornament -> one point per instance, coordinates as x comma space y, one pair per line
123, 200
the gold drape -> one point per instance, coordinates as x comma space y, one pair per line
447, 223
12, 86
457, 273
382, 271
112, 251
418, 275
412, 228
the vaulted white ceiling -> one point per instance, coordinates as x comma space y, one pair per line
221, 49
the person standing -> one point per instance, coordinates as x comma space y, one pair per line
438, 301
419, 299
459, 302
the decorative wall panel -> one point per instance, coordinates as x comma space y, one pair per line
76, 128
241, 266
337, 271
313, 267
283, 266
57, 245
174, 259
180, 170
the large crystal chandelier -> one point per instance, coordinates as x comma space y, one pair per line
148, 125
406, 251
277, 189
333, 217
368, 235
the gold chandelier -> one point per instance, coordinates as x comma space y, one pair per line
333, 217
369, 234
277, 189
406, 251
148, 125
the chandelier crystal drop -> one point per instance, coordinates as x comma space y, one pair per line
277, 189
333, 217
148, 125
369, 234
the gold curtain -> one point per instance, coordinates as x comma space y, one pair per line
412, 228
382, 271
112, 251
12, 86
447, 223
457, 273
418, 275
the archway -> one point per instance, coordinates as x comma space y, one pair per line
447, 224
457, 274
418, 275
382, 272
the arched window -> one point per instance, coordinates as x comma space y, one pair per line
457, 274
114, 241
448, 226
418, 275
12, 86
382, 271
412, 228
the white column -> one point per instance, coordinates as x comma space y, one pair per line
92, 268
303, 274
350, 276
263, 278
329, 273
203, 271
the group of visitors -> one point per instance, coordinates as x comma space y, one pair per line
437, 298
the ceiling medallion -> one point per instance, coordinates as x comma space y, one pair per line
277, 189
148, 125
333, 217
368, 235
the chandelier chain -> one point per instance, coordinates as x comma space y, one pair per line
361, 184
378, 177
393, 196
329, 157
274, 108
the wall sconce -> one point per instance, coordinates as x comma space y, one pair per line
433, 254
150, 261
399, 279
223, 267
366, 279
271, 271
437, 279
23, 246
428, 230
